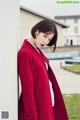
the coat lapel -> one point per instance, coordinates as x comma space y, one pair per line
45, 58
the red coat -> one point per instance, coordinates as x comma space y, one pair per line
35, 100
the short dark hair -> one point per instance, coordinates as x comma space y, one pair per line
46, 26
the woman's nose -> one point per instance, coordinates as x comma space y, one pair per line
45, 42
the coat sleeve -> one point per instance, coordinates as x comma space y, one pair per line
26, 77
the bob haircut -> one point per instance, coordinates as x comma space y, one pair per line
46, 26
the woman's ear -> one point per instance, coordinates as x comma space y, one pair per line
36, 33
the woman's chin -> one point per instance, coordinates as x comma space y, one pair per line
39, 46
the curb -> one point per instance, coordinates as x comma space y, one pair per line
70, 70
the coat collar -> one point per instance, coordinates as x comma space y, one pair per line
45, 58
40, 53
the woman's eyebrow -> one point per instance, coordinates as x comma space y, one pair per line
46, 34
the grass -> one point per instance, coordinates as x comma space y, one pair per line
72, 102
73, 68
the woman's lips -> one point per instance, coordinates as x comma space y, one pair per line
42, 45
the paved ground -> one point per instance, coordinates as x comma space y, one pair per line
68, 81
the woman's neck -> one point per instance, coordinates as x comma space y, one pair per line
32, 41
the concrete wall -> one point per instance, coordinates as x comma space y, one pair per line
9, 36
61, 49
28, 20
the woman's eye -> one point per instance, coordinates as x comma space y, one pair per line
45, 36
49, 40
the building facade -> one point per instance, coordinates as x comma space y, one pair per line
72, 33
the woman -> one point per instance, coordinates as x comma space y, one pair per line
41, 98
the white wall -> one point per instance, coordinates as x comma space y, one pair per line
79, 25
9, 36
69, 32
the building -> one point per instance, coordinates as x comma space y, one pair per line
72, 33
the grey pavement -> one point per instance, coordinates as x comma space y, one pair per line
69, 82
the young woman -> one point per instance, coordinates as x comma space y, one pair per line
41, 98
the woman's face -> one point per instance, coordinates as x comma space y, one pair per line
43, 39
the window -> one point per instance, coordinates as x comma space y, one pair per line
66, 30
67, 41
76, 20
71, 42
75, 30
64, 20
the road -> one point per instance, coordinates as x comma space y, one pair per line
69, 82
